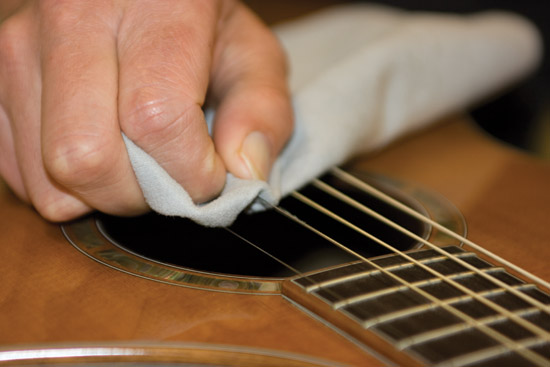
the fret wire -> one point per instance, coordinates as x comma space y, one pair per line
325, 283
469, 358
420, 283
372, 295
432, 334
398, 314
341, 279
421, 308
389, 200
446, 330
343, 197
488, 331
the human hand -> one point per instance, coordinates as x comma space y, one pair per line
74, 74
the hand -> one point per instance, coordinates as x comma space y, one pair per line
74, 74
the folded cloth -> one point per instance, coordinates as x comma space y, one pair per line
362, 75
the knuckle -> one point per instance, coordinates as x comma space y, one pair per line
78, 161
52, 211
12, 34
60, 14
8, 45
55, 205
274, 100
69, 22
56, 209
150, 116
270, 46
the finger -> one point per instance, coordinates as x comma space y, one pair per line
82, 143
9, 169
254, 114
14, 52
21, 138
164, 69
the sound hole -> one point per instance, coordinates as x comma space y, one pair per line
267, 244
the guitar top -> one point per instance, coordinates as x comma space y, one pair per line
83, 294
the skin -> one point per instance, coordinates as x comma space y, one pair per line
74, 74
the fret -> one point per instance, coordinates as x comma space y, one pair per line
422, 313
449, 277
402, 268
341, 278
401, 229
366, 313
411, 273
543, 349
496, 356
509, 328
472, 307
384, 296
505, 277
406, 271
539, 318
388, 199
360, 286
380, 293
535, 293
429, 344
315, 280
441, 289
426, 256
475, 282
432, 334
497, 322
356, 287
417, 321
476, 261
427, 283
446, 266
390, 306
507, 300
442, 350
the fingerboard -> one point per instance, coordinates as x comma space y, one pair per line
428, 318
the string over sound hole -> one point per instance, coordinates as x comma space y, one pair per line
268, 244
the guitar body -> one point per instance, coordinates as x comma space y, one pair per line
52, 296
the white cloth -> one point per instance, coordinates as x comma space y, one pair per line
362, 75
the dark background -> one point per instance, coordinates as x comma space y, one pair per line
521, 116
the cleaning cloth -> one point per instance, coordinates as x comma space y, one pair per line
362, 75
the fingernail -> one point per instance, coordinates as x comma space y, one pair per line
256, 154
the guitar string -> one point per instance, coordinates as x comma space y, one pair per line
259, 248
533, 328
345, 198
502, 339
391, 201
495, 335
487, 302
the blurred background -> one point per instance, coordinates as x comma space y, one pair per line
520, 116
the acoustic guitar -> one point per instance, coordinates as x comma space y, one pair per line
434, 251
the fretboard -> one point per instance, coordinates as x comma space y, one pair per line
459, 317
